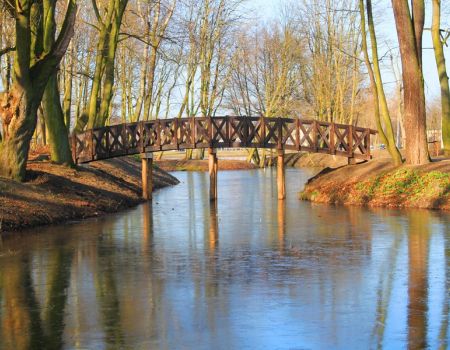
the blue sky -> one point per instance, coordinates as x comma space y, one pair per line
385, 26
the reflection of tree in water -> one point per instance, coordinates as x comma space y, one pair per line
443, 332
386, 279
59, 280
21, 324
419, 236
107, 293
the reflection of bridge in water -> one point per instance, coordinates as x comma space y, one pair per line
281, 134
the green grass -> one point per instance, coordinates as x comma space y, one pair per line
405, 184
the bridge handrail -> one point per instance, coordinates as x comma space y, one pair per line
222, 132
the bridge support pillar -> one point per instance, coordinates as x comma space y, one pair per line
281, 183
147, 175
213, 169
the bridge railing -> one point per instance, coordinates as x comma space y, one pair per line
221, 132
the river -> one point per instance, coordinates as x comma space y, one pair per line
248, 273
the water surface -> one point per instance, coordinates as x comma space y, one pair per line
248, 273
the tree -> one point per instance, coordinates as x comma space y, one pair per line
57, 132
442, 71
409, 33
32, 72
156, 31
376, 83
97, 111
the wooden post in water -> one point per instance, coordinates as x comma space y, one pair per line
281, 184
147, 175
213, 169
351, 161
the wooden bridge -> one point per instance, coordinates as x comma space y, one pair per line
282, 134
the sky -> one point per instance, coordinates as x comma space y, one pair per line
387, 37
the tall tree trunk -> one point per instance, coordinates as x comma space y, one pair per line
443, 78
373, 84
108, 83
53, 113
392, 148
414, 94
67, 104
150, 83
57, 134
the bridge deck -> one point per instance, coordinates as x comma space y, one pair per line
222, 132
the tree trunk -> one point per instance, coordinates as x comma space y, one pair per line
150, 82
443, 78
56, 128
414, 94
21, 110
53, 113
68, 92
20, 105
392, 148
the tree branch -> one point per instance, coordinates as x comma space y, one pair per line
6, 50
42, 69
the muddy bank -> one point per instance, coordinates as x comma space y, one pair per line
378, 183
202, 165
55, 193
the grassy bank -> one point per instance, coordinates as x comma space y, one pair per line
380, 184
55, 193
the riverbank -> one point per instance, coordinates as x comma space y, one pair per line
53, 193
379, 183
202, 165
321, 160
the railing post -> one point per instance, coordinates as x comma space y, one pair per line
280, 133
124, 138
350, 141
213, 170
297, 134
227, 131
193, 131
175, 133
351, 158
74, 147
91, 136
281, 183
158, 134
315, 146
332, 138
141, 136
210, 131
367, 143
147, 175
107, 142
263, 132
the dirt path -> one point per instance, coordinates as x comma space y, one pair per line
55, 193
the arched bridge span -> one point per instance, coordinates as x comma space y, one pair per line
282, 134
221, 132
